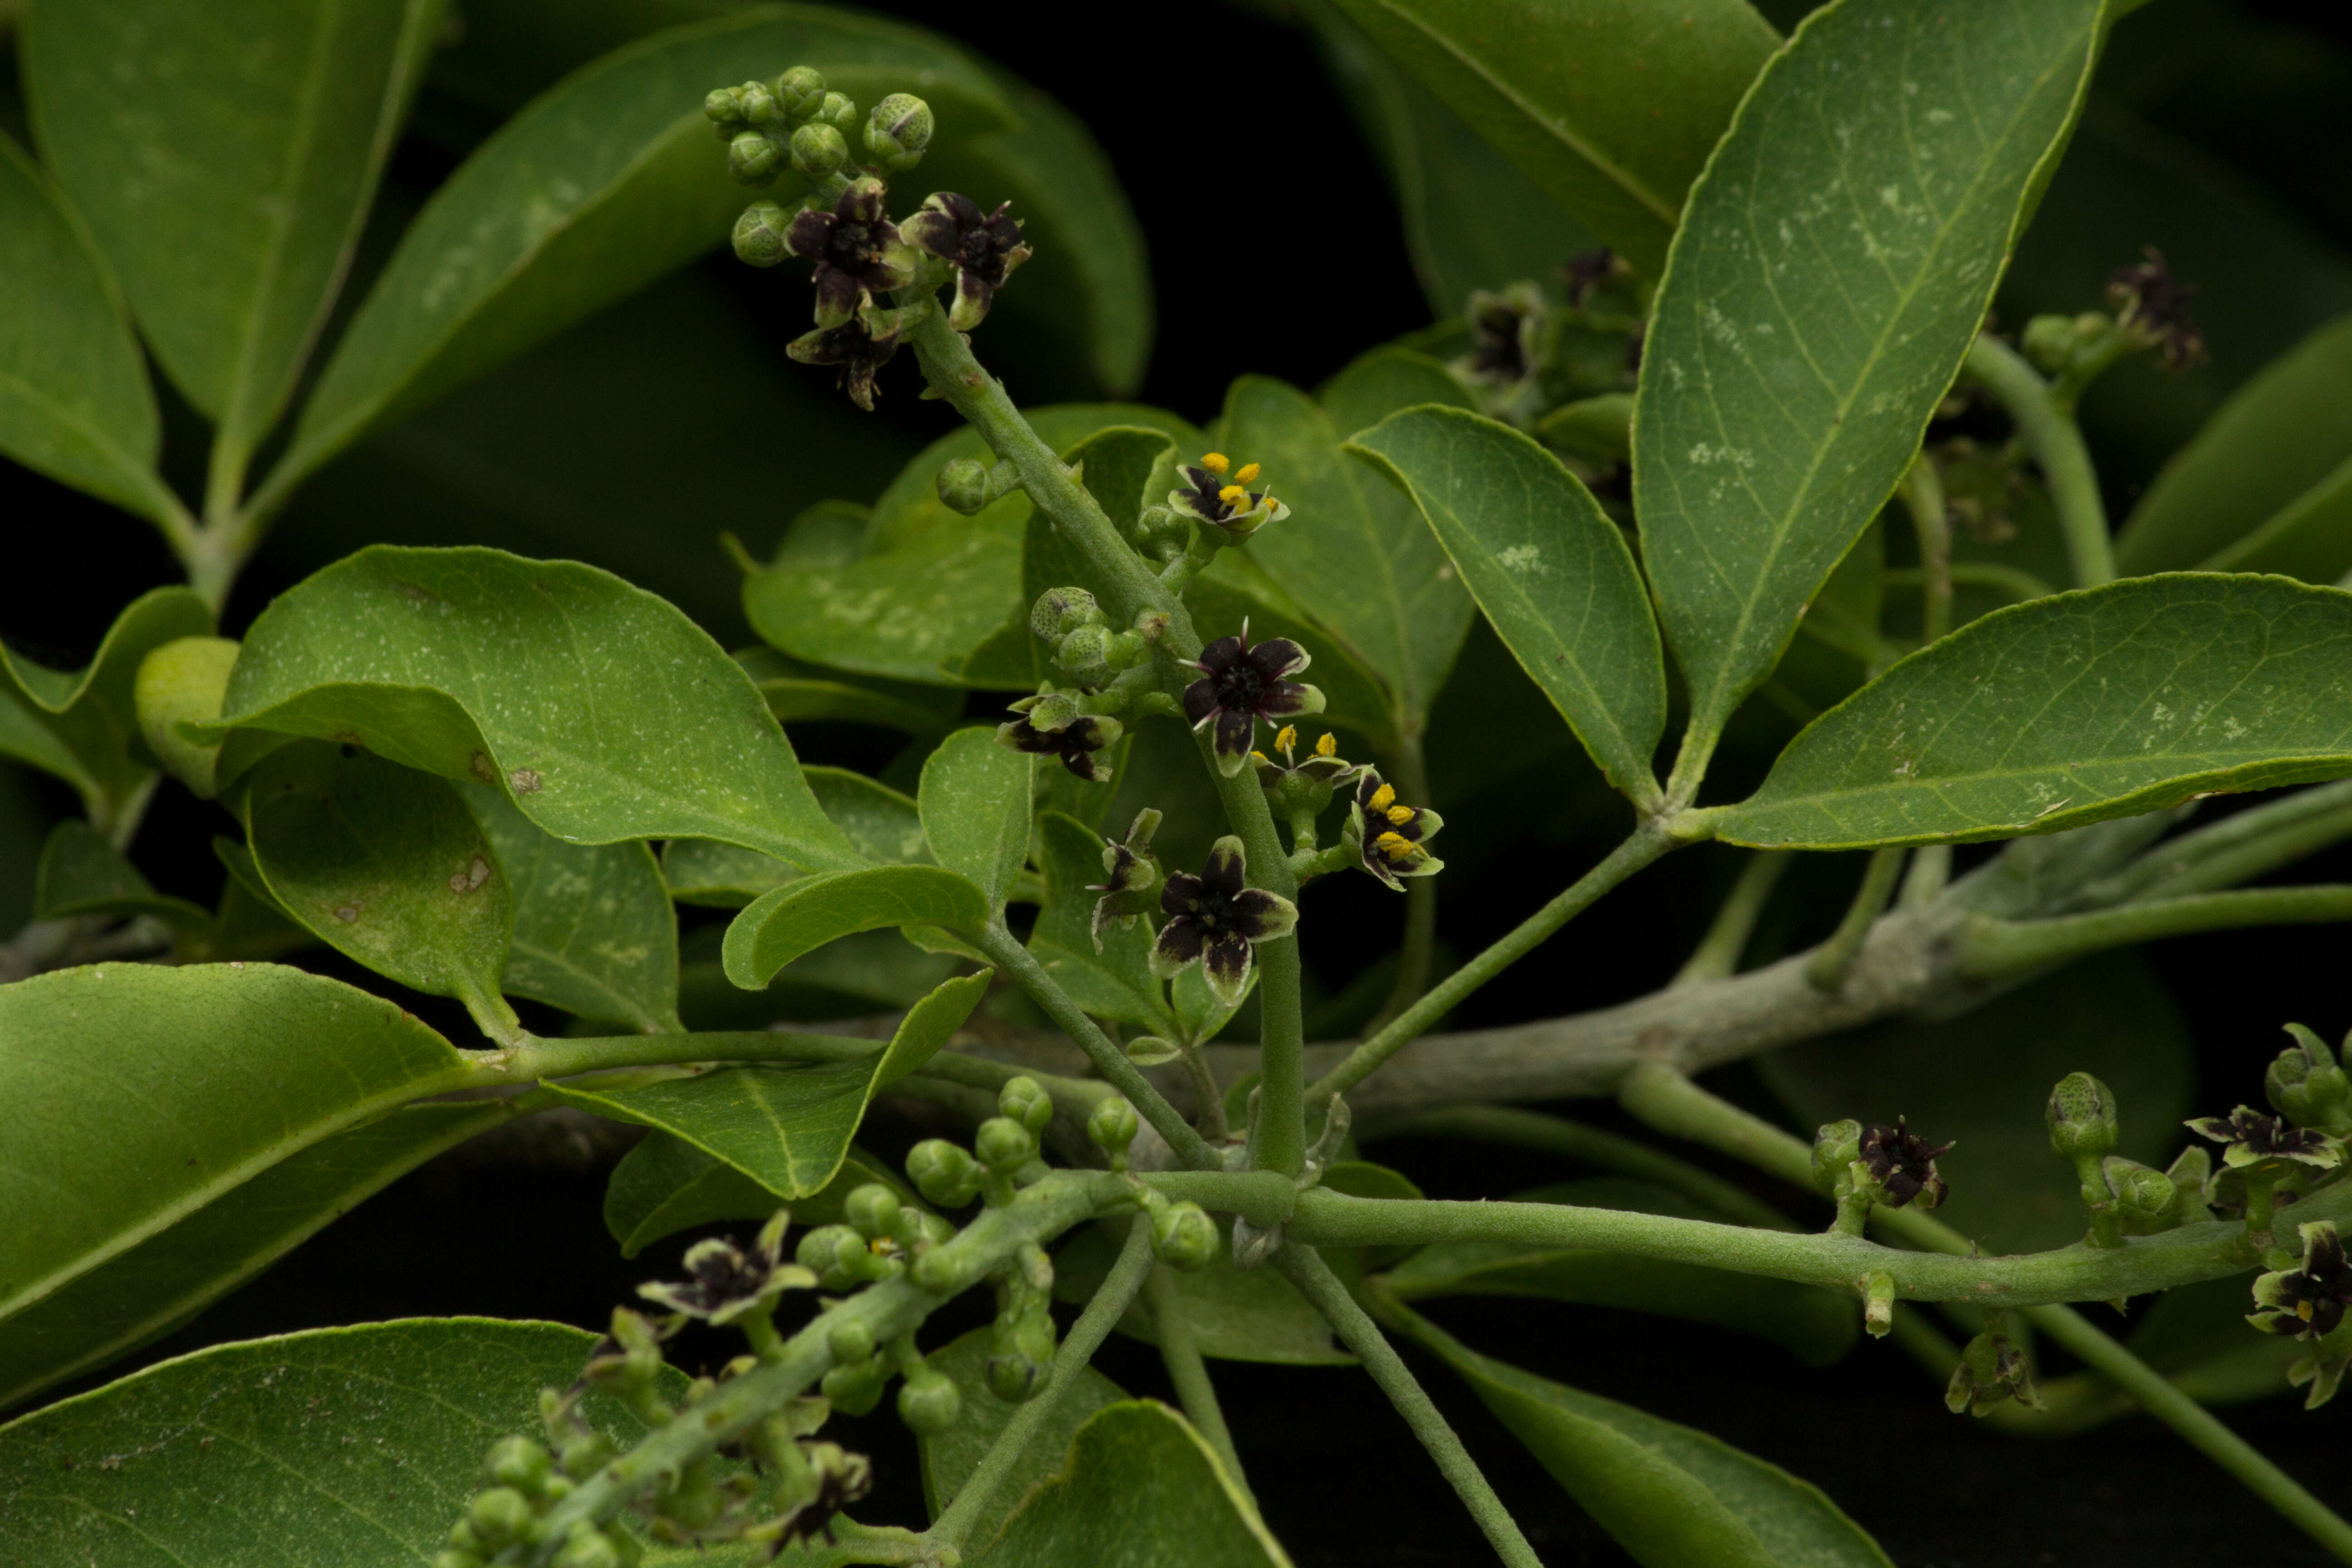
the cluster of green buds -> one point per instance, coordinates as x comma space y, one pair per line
1002, 1158
1108, 673
1858, 1166
795, 123
2123, 1197
522, 1480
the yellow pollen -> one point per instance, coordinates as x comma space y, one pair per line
1262, 757
2303, 1310
1217, 462
1400, 815
1247, 472
1232, 495
882, 1246
1383, 797
1328, 745
1395, 846
1285, 738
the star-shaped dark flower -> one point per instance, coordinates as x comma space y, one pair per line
2153, 305
2308, 1302
1217, 496
983, 246
1902, 1165
1214, 919
1130, 875
724, 1282
1390, 839
857, 252
842, 1477
861, 346
1241, 683
1074, 742
2254, 1139
1504, 328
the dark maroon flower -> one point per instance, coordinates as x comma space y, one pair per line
1903, 1164
2309, 1301
857, 252
856, 346
2152, 304
1388, 838
724, 1282
1213, 919
985, 248
1241, 684
2254, 1139
1503, 331
1076, 743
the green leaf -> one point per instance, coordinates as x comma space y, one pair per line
1116, 982
1355, 553
163, 1281
1610, 106
2069, 710
809, 911
594, 931
1551, 570
608, 181
1980, 1081
82, 874
1834, 267
1816, 1326
665, 1185
74, 398
949, 1457
1672, 1496
802, 693
2267, 485
880, 823
387, 865
213, 1074
227, 171
1138, 1480
360, 1443
1236, 1314
83, 726
974, 800
787, 1128
603, 712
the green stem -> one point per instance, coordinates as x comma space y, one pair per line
537, 1059
1111, 1300
1189, 1373
1833, 960
1930, 873
2251, 843
1306, 1269
1717, 953
1922, 497
1646, 844
2019, 586
2047, 427
1993, 948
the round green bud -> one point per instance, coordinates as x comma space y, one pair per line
759, 233
818, 151
722, 106
856, 1390
183, 681
584, 1454
1014, 1376
589, 1548
453, 1558
928, 1403
1085, 656
835, 1255
944, 1173
2048, 342
897, 131
930, 1229
1058, 612
1112, 1124
852, 1344
500, 1516
871, 1209
1003, 1144
2307, 1087
751, 158
963, 485
1026, 1101
838, 112
2082, 1117
759, 104
1836, 1146
941, 1273
1184, 1236
520, 1463
2144, 1195
800, 92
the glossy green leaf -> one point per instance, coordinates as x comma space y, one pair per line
949, 1457
1116, 982
608, 181
1138, 1480
359, 1444
2265, 487
2068, 709
74, 398
83, 726
1672, 1496
385, 865
161, 1283
1354, 552
1235, 1314
787, 1128
82, 874
1551, 570
1610, 106
227, 171
856, 977
603, 712
803, 693
213, 1073
1834, 267
665, 1185
1980, 1081
809, 911
1816, 1326
974, 801
594, 931
880, 823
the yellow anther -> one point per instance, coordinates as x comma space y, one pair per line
1261, 757
1400, 814
1249, 471
882, 1246
2303, 1310
1383, 797
1395, 846
1328, 746
1217, 462
1232, 495
1285, 738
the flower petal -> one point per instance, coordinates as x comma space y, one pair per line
1277, 656
973, 294
1223, 654
1227, 966
1179, 941
1180, 893
1200, 702
1236, 731
1226, 867
1262, 916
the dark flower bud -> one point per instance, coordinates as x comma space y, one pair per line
2308, 1087
520, 1463
1025, 1102
2145, 1200
928, 1403
1112, 1124
819, 151
589, 1548
1184, 1236
852, 1344
898, 131
871, 1209
1003, 1144
1058, 612
759, 233
1902, 1167
856, 1389
751, 158
944, 1173
1836, 1145
500, 1517
2082, 1117
963, 485
800, 92
836, 111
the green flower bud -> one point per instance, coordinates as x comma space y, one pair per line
453, 1558
872, 1209
2305, 1084
1836, 1145
759, 104
1112, 1124
1025, 1100
2145, 1200
941, 1273
1184, 1236
584, 1455
751, 158
463, 1540
835, 1255
520, 1463
500, 1517
800, 92
855, 1390
928, 1403
1991, 1369
589, 1548
1152, 1051
2191, 1171
1003, 1144
723, 108
963, 485
898, 130
1058, 612
838, 112
2048, 343
852, 1344
759, 233
1013, 1376
183, 681
2082, 1117
1085, 656
943, 1174
818, 151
